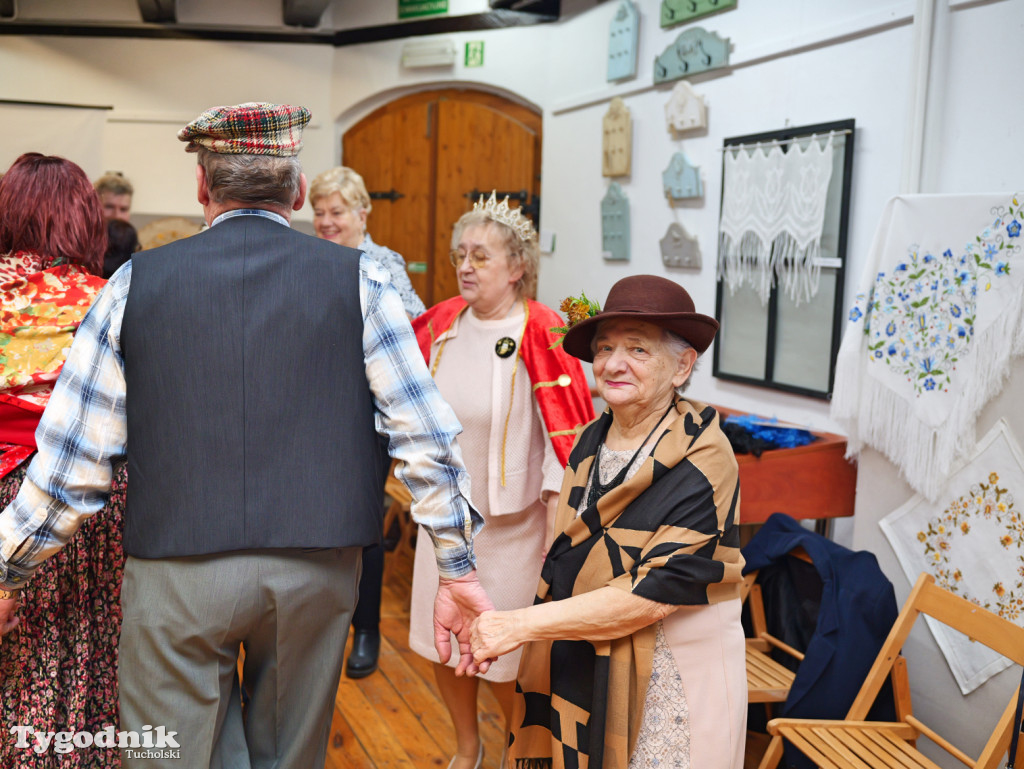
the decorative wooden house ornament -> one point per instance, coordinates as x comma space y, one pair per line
685, 110
695, 50
615, 224
678, 249
677, 11
617, 144
622, 41
682, 180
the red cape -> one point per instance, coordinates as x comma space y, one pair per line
564, 407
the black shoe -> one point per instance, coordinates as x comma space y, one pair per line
362, 660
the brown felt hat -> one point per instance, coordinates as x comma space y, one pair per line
651, 299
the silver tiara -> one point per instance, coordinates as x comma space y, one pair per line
501, 212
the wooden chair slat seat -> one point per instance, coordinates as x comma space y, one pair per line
888, 749
832, 743
812, 748
768, 681
903, 751
885, 751
855, 743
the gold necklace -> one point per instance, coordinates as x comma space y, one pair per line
515, 368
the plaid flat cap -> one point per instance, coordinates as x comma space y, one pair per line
254, 128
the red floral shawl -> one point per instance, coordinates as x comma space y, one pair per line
40, 310
564, 403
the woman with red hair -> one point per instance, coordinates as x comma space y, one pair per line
58, 667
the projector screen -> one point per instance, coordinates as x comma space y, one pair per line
76, 133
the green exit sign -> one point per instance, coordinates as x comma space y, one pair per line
413, 9
475, 53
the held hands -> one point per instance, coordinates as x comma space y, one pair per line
496, 633
8, 615
459, 602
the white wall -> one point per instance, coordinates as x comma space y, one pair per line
974, 131
368, 76
561, 68
794, 63
816, 86
968, 149
156, 86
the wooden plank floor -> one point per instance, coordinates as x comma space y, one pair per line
394, 718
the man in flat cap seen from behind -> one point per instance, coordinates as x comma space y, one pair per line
245, 373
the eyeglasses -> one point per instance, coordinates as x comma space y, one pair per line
477, 258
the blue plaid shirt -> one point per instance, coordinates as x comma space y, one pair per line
84, 431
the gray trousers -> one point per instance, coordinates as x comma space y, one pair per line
184, 619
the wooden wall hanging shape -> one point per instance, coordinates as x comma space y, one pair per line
695, 50
681, 179
623, 36
685, 110
615, 224
617, 143
679, 248
677, 11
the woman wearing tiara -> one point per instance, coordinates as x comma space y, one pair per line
520, 400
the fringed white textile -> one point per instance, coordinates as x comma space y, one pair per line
939, 316
773, 211
972, 542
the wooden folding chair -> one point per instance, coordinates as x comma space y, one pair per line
856, 743
768, 680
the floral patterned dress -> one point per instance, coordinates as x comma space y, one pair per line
58, 668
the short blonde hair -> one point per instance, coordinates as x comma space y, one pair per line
114, 183
521, 253
347, 183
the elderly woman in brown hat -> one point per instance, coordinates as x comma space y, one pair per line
634, 652
520, 400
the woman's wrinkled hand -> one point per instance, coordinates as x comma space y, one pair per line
8, 615
495, 633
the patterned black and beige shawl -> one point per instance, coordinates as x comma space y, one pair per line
668, 534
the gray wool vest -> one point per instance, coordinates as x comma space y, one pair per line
250, 420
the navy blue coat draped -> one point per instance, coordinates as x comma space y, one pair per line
858, 609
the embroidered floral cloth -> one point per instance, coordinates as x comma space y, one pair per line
937, 320
972, 541
773, 213
40, 310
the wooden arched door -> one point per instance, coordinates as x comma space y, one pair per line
422, 155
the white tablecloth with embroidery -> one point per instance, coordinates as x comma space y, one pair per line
939, 315
972, 542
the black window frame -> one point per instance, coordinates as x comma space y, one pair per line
784, 137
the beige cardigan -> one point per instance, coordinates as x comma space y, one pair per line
531, 466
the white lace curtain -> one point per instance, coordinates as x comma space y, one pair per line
773, 212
